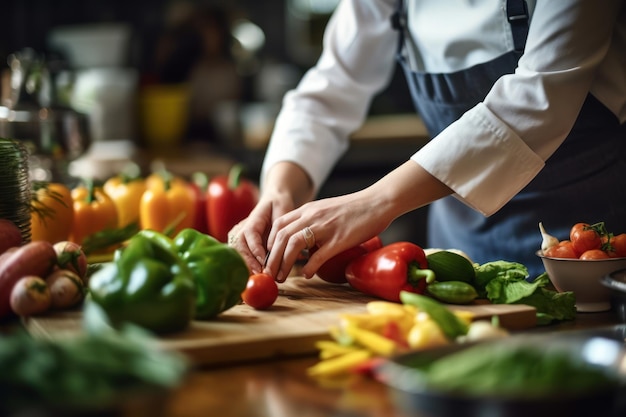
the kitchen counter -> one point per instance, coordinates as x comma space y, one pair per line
281, 388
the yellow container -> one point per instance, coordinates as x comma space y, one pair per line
163, 114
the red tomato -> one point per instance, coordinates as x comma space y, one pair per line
618, 246
261, 291
563, 250
594, 254
584, 238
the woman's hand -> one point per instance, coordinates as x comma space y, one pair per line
250, 235
287, 186
336, 224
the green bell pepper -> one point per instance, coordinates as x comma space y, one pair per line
220, 272
146, 284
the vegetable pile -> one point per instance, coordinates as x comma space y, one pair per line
161, 284
449, 276
101, 216
515, 371
361, 341
39, 276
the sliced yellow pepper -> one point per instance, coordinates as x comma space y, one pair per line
340, 364
375, 342
385, 308
329, 349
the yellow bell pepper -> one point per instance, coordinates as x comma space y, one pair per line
167, 205
126, 191
94, 211
52, 212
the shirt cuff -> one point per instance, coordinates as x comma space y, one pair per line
481, 159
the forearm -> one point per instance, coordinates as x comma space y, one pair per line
407, 188
289, 178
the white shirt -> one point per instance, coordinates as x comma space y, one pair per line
574, 47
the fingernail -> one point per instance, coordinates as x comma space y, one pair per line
279, 277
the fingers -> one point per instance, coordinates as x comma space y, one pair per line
237, 240
249, 244
288, 245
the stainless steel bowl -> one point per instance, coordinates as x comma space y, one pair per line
405, 376
616, 283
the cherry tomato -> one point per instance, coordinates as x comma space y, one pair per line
563, 250
618, 245
261, 291
584, 238
594, 254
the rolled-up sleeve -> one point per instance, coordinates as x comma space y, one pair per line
499, 146
332, 99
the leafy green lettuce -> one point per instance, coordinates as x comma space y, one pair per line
504, 282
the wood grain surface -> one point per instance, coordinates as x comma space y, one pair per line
302, 315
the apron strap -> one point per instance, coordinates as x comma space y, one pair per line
516, 12
398, 22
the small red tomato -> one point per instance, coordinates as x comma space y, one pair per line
261, 291
618, 246
584, 237
563, 250
594, 254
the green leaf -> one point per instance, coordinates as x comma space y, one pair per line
510, 288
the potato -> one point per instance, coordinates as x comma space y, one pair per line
10, 235
70, 256
66, 288
30, 296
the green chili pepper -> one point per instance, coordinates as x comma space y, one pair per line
451, 326
146, 284
220, 272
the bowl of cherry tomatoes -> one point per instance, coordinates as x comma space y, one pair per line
581, 261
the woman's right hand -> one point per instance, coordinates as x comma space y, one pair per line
249, 237
286, 187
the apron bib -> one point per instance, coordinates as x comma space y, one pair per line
583, 181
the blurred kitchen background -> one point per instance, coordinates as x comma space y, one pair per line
193, 85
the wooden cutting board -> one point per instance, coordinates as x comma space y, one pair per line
302, 315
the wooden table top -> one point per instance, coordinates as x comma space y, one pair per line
281, 388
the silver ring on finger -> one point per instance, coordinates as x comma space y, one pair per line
309, 237
232, 238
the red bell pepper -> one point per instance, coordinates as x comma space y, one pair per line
199, 184
334, 269
384, 272
230, 199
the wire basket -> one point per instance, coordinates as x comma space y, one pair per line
15, 187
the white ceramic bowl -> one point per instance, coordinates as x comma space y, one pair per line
582, 277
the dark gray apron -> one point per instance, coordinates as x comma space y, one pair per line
583, 181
